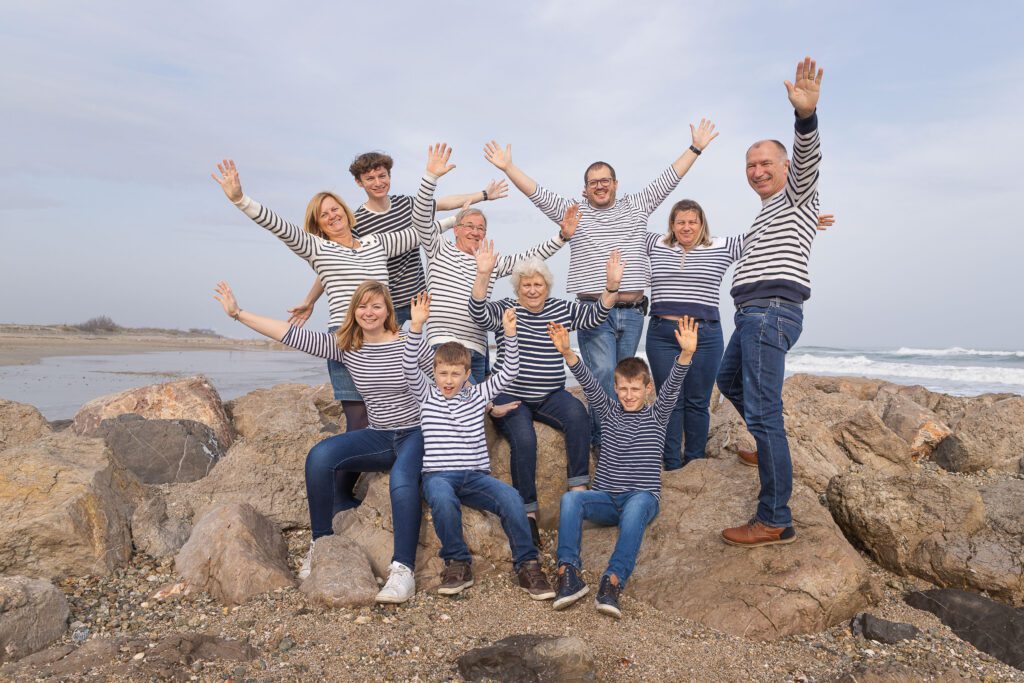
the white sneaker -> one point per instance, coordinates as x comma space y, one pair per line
307, 563
401, 585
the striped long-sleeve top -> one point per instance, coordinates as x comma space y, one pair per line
453, 428
340, 269
621, 226
541, 367
777, 248
689, 283
632, 444
405, 271
376, 370
451, 273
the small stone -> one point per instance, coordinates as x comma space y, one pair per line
286, 644
445, 617
138, 656
80, 635
363, 619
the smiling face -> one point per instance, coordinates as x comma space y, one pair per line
767, 166
371, 313
332, 220
450, 378
600, 185
631, 392
532, 292
470, 231
376, 182
687, 228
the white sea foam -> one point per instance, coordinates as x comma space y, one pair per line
955, 351
1011, 378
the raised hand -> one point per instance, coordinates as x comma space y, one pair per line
703, 133
570, 221
686, 336
826, 221
486, 257
228, 180
298, 315
227, 299
613, 271
805, 88
502, 158
437, 159
496, 189
508, 321
559, 337
420, 310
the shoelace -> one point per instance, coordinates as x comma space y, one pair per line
533, 572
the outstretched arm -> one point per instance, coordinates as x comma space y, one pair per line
701, 136
298, 315
496, 189
423, 222
509, 367
411, 355
803, 92
502, 159
686, 337
268, 327
596, 397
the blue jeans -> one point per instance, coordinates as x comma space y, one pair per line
631, 511
478, 366
333, 467
604, 346
403, 314
751, 376
446, 492
560, 410
691, 410
341, 380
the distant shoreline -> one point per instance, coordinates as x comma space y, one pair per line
28, 344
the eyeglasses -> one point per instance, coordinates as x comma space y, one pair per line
472, 228
599, 182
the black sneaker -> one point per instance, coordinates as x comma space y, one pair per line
570, 586
607, 601
534, 532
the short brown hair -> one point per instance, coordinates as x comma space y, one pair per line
364, 163
350, 336
596, 165
453, 353
704, 240
633, 368
313, 212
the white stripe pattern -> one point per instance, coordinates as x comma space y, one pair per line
405, 271
689, 283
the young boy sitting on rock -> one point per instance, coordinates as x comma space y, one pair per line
456, 462
627, 481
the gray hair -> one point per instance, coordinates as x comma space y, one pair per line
470, 212
530, 267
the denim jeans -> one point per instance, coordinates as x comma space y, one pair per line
403, 314
560, 410
333, 467
690, 415
446, 492
604, 346
341, 380
751, 376
478, 366
631, 511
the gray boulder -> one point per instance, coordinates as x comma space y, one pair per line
33, 614
161, 451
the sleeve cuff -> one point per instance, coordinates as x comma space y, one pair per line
808, 125
243, 203
427, 175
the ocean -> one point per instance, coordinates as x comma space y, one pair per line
58, 386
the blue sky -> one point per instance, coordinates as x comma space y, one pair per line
115, 115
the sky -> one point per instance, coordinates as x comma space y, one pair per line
115, 115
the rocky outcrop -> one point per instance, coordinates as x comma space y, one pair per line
33, 614
341, 575
939, 527
193, 398
161, 451
986, 437
234, 553
20, 424
545, 659
685, 569
154, 532
64, 508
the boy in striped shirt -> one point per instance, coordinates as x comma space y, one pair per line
456, 463
626, 489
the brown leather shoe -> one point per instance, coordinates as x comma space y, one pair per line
754, 534
747, 457
456, 577
533, 580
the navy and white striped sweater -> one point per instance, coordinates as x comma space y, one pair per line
689, 283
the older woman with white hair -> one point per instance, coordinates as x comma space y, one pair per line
538, 392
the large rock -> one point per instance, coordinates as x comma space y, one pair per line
154, 532
20, 423
918, 426
530, 657
986, 437
685, 568
64, 508
341, 576
234, 553
936, 526
33, 614
161, 451
265, 467
193, 398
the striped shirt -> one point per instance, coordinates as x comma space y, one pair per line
405, 271
376, 370
340, 269
621, 226
541, 367
777, 247
453, 428
451, 273
632, 444
689, 283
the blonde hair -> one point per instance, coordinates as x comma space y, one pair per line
704, 239
350, 336
313, 213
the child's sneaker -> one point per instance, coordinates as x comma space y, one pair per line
607, 601
307, 562
570, 586
400, 587
533, 580
456, 577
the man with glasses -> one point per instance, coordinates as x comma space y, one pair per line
607, 222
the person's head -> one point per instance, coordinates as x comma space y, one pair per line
452, 364
767, 165
470, 229
599, 184
372, 172
369, 311
632, 383
328, 216
532, 282
687, 225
